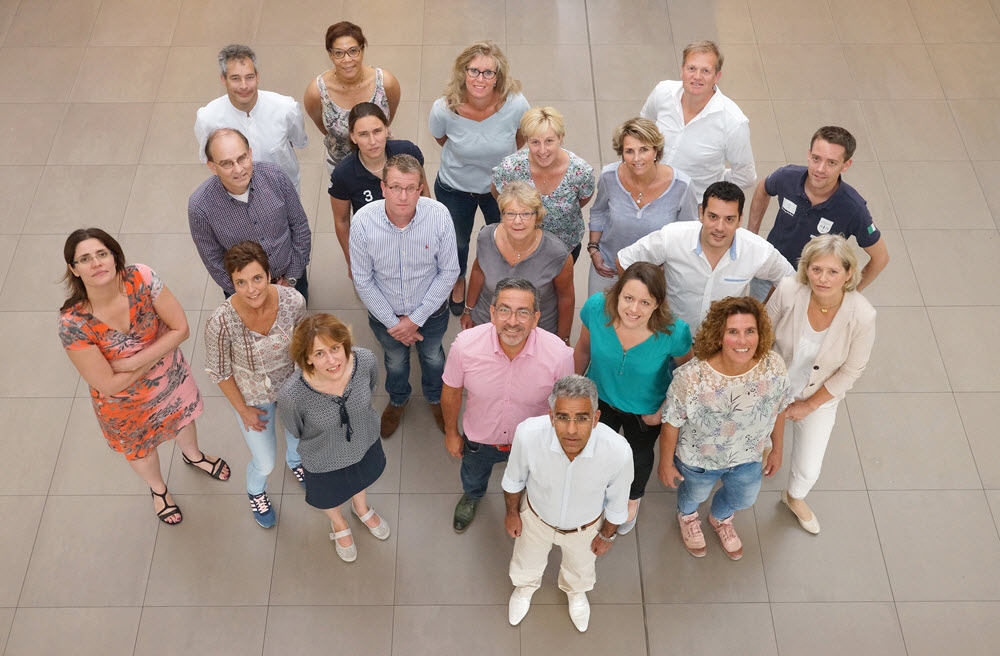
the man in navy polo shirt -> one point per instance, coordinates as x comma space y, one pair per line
813, 200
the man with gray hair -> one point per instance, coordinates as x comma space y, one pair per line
507, 366
272, 122
567, 484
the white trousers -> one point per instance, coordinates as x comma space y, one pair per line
809, 439
598, 283
577, 572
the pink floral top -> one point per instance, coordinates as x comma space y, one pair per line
564, 217
725, 421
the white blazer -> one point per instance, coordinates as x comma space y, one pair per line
844, 354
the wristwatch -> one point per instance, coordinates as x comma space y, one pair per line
292, 281
613, 537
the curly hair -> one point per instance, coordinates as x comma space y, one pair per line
324, 326
454, 91
709, 339
650, 275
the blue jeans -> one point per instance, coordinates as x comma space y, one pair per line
397, 358
262, 450
740, 485
477, 466
462, 207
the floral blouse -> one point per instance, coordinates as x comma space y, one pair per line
564, 217
725, 421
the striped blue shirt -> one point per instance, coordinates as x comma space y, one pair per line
272, 216
403, 271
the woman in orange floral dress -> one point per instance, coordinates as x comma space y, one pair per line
121, 327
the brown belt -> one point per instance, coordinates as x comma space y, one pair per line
561, 531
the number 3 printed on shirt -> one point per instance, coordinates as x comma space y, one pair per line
368, 196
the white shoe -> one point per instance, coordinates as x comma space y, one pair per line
381, 531
347, 554
579, 610
625, 528
811, 525
517, 607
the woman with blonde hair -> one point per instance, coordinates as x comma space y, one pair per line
518, 247
565, 181
825, 330
477, 124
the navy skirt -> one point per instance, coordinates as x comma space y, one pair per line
331, 489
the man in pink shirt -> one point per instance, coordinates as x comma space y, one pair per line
508, 368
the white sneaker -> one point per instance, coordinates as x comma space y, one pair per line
520, 602
579, 610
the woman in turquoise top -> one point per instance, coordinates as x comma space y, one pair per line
629, 343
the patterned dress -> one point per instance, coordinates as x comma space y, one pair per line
337, 139
158, 405
563, 215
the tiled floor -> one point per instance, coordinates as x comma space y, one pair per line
97, 101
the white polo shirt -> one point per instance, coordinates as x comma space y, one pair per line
692, 284
568, 494
272, 127
720, 133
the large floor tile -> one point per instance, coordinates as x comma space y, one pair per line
6, 619
722, 21
308, 571
895, 71
35, 334
912, 442
807, 71
34, 24
101, 133
617, 576
433, 630
649, 64
792, 21
842, 563
976, 120
21, 516
426, 464
937, 195
964, 69
213, 22
21, 68
618, 629
970, 352
968, 628
864, 21
765, 137
218, 436
82, 631
236, 570
949, 262
26, 464
201, 630
288, 69
576, 82
170, 140
435, 565
159, 198
71, 197
894, 122
462, 22
36, 264
313, 629
819, 629
126, 23
175, 260
869, 181
733, 629
29, 131
743, 74
897, 284
798, 120
297, 22
554, 22
406, 27
988, 174
611, 114
978, 418
119, 74
616, 22
17, 188
956, 21
191, 75
939, 545
88, 574
671, 575
892, 366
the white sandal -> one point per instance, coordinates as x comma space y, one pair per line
347, 554
381, 531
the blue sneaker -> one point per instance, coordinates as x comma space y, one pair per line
262, 510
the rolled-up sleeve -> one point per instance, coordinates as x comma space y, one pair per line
515, 477
616, 494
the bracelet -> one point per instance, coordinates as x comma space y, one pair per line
592, 246
605, 539
467, 310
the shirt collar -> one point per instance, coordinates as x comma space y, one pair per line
733, 250
801, 189
588, 450
527, 351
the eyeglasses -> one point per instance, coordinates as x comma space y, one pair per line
475, 72
524, 216
98, 256
353, 53
396, 190
228, 164
523, 314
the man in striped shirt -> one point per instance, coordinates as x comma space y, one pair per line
404, 262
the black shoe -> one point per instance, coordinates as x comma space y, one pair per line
457, 307
465, 512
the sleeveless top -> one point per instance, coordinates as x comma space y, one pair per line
337, 140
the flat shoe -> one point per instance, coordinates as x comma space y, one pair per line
381, 531
811, 525
347, 554
627, 527
457, 307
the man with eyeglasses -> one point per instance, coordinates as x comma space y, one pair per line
704, 130
272, 123
404, 264
567, 484
248, 201
507, 366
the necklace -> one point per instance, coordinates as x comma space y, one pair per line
635, 181
375, 172
528, 251
826, 309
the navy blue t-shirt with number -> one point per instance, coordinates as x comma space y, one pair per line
844, 213
352, 181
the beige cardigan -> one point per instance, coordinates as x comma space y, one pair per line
843, 356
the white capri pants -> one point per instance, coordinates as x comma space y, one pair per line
809, 439
598, 283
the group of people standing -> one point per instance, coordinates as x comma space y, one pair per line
676, 345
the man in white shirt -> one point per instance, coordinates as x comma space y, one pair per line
271, 122
703, 128
566, 473
709, 260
